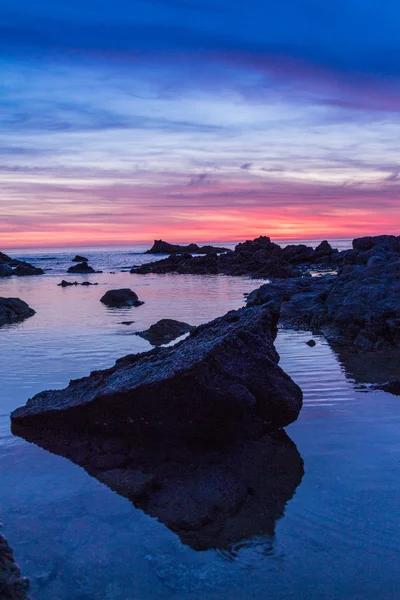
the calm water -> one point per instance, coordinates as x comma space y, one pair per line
78, 540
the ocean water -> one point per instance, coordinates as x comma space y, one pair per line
77, 540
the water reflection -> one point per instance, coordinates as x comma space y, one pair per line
211, 497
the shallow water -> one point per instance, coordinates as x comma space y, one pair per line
78, 540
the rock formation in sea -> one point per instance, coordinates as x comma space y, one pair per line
257, 258
13, 310
65, 283
360, 306
165, 331
211, 496
79, 258
161, 247
121, 298
12, 266
12, 585
222, 383
82, 267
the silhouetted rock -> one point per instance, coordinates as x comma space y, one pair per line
165, 331
12, 266
257, 258
79, 258
223, 382
82, 267
65, 283
12, 585
13, 310
210, 496
161, 247
121, 298
393, 387
311, 343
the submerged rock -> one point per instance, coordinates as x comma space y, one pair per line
13, 310
311, 343
210, 496
121, 298
12, 585
161, 247
165, 331
221, 383
81, 267
79, 258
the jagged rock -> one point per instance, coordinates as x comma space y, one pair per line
82, 267
12, 585
211, 496
161, 247
221, 383
13, 310
79, 258
121, 298
165, 331
13, 266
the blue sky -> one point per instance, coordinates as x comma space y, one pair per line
123, 121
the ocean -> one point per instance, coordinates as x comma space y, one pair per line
78, 540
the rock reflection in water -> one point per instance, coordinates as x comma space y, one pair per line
211, 497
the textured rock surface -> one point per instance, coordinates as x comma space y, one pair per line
359, 306
165, 331
212, 497
12, 585
221, 383
258, 258
161, 247
13, 310
120, 298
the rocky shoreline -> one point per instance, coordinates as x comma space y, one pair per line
12, 585
11, 266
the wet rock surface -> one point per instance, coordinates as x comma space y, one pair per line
210, 496
13, 310
360, 306
165, 331
161, 247
121, 298
12, 266
257, 258
221, 383
12, 585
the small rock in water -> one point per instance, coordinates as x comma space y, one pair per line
79, 258
81, 267
311, 343
164, 331
126, 322
121, 298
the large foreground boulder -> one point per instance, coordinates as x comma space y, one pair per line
164, 331
223, 382
12, 585
211, 496
13, 310
121, 298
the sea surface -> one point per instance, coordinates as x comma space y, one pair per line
78, 540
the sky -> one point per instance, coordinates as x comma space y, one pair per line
123, 121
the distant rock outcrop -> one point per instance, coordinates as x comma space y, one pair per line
161, 247
13, 310
12, 585
165, 331
12, 266
82, 267
79, 258
65, 283
221, 384
257, 258
121, 298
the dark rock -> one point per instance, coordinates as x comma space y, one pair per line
121, 298
393, 387
165, 331
13, 310
210, 496
82, 267
126, 322
86, 283
12, 266
12, 585
79, 258
6, 270
161, 247
311, 343
5, 259
71, 283
25, 269
221, 383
